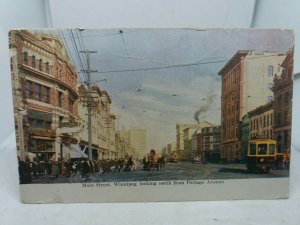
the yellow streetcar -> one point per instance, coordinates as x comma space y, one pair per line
261, 155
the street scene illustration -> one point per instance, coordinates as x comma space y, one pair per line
151, 104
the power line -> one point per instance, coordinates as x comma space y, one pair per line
163, 67
178, 65
77, 53
61, 35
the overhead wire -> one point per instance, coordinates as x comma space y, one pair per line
60, 33
77, 54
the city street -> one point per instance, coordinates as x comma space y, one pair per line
172, 171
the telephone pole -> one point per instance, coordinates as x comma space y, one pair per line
89, 100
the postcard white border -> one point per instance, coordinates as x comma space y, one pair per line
228, 189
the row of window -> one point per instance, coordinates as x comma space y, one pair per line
258, 123
37, 91
39, 123
41, 146
41, 93
35, 63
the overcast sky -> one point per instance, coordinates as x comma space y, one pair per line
149, 74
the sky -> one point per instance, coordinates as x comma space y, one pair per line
159, 77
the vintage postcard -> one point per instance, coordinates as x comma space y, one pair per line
126, 115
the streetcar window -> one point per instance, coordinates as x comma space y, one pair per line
252, 149
262, 149
271, 149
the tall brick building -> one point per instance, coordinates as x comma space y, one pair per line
247, 79
44, 93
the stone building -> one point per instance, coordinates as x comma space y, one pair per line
283, 94
132, 142
44, 93
180, 127
209, 143
103, 123
247, 79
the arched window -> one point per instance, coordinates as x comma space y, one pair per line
33, 61
40, 65
47, 67
25, 58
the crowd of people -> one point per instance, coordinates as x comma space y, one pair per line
52, 169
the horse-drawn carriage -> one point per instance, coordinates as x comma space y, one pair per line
153, 161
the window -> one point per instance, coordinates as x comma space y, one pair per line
40, 65
47, 67
270, 71
271, 119
28, 89
278, 119
37, 92
270, 85
40, 123
33, 61
271, 149
252, 150
269, 99
60, 99
48, 125
285, 117
25, 58
262, 149
279, 99
47, 94
286, 97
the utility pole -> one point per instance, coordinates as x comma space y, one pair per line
89, 100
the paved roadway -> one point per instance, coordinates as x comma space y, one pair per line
172, 171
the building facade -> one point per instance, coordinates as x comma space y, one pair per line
247, 80
187, 143
261, 121
132, 142
44, 93
209, 143
103, 123
138, 141
180, 127
283, 94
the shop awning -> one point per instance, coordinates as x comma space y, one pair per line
76, 152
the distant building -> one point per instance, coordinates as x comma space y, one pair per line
283, 94
180, 136
138, 141
209, 142
168, 150
187, 143
44, 93
132, 142
247, 80
122, 144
